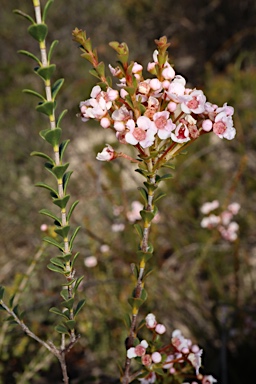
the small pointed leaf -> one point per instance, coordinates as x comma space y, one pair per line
139, 230
46, 72
46, 8
63, 113
48, 213
52, 190
65, 180
1, 292
59, 170
53, 45
64, 294
62, 148
70, 324
61, 329
77, 283
73, 237
58, 312
56, 87
18, 12
72, 209
31, 55
79, 306
58, 262
51, 241
55, 268
144, 195
43, 155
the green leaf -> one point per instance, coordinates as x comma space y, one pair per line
164, 177
56, 87
139, 230
168, 166
101, 69
61, 329
147, 216
52, 190
72, 209
71, 241
74, 259
48, 213
53, 45
159, 196
1, 292
23, 14
51, 241
63, 113
55, 268
62, 148
64, 294
65, 180
31, 55
46, 8
62, 203
68, 303
135, 303
46, 72
58, 312
70, 324
77, 283
38, 31
63, 232
79, 306
144, 256
43, 155
127, 321
53, 136
31, 92
59, 170
58, 262
144, 194
66, 285
47, 107
93, 71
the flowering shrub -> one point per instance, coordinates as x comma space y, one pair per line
159, 117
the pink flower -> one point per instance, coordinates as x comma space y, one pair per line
149, 379
142, 133
179, 341
146, 360
181, 134
134, 213
223, 126
209, 206
196, 360
90, 261
139, 350
120, 117
194, 102
168, 72
176, 88
163, 125
107, 154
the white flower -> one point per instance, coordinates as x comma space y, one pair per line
107, 154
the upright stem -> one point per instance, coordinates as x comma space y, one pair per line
139, 284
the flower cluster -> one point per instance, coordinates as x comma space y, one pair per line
156, 112
223, 222
171, 359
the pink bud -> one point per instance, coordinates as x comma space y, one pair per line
160, 329
104, 122
207, 125
156, 357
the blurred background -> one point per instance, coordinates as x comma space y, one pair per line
201, 283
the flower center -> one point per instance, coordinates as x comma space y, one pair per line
160, 122
219, 128
139, 134
181, 133
193, 104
